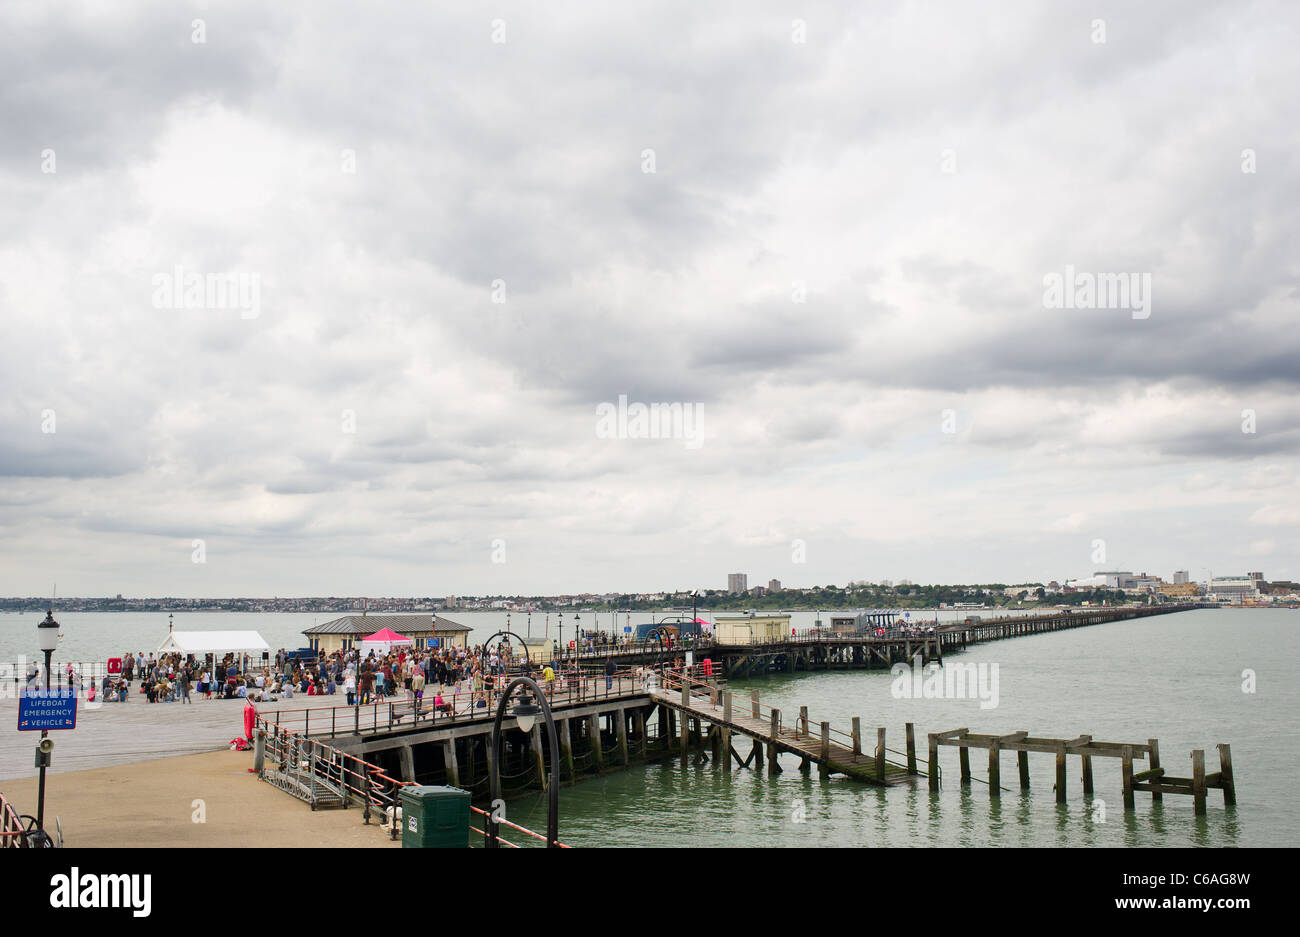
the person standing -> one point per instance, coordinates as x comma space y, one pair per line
185, 686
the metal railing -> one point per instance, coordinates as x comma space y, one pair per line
401, 711
327, 770
13, 833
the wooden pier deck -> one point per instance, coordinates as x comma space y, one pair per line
833, 751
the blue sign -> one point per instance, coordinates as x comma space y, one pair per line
39, 710
627, 629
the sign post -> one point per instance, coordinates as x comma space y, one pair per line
47, 710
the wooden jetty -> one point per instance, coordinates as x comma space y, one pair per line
816, 651
832, 750
1153, 780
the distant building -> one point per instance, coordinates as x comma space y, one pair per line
451, 601
749, 628
774, 585
1180, 589
737, 583
1234, 586
342, 634
1181, 576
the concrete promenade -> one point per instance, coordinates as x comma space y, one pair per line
135, 731
153, 804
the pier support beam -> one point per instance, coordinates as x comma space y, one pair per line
911, 747
995, 770
1153, 762
621, 717
406, 761
773, 763
726, 718
593, 736
1087, 773
1126, 774
857, 738
535, 743
450, 763
757, 755
1198, 781
1225, 775
642, 742
880, 750
566, 748
934, 763
964, 755
1060, 774
1022, 760
825, 765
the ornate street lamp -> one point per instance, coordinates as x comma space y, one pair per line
525, 713
48, 634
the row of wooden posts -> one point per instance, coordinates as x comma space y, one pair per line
1154, 780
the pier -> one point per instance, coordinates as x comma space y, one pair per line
818, 650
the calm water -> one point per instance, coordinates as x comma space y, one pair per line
1177, 678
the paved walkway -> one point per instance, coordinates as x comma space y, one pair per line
137, 730
152, 804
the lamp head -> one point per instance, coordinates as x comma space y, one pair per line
48, 632
526, 713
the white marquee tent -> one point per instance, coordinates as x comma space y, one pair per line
199, 643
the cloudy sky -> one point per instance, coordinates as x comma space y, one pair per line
825, 230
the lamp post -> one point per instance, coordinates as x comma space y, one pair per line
48, 633
525, 713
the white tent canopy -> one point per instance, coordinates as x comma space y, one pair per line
199, 643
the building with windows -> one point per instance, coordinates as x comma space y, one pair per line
774, 585
1181, 576
342, 634
737, 583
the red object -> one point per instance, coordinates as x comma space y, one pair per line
570, 645
115, 665
250, 717
706, 666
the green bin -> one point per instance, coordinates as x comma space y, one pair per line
434, 817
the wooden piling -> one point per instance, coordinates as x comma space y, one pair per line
642, 742
964, 754
757, 754
620, 717
803, 722
995, 770
593, 735
773, 763
1225, 775
880, 752
933, 767
566, 748
825, 765
911, 746
1087, 773
1022, 761
535, 743
857, 738
1060, 773
1198, 781
753, 699
450, 763
1126, 774
1153, 762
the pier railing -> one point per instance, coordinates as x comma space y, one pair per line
12, 831
400, 712
321, 770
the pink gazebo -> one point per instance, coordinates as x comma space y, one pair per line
382, 641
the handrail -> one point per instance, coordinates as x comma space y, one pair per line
12, 831
352, 776
395, 711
